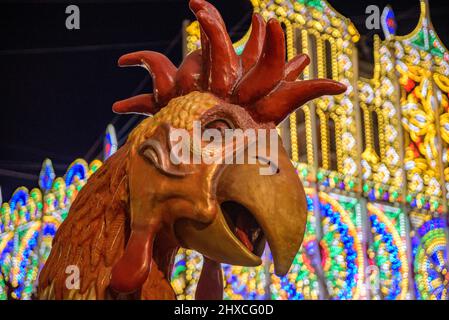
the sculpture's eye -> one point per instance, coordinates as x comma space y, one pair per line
151, 154
219, 124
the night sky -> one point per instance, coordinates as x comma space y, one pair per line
57, 85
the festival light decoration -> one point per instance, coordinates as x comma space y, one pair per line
110, 144
343, 258
245, 283
186, 273
388, 252
431, 260
240, 283
302, 280
28, 223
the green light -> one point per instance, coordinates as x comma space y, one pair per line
351, 184
365, 187
436, 204
408, 198
304, 172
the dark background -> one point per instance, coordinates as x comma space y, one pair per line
57, 85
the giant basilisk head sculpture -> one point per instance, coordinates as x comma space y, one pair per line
127, 223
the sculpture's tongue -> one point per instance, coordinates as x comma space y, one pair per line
210, 285
242, 231
131, 271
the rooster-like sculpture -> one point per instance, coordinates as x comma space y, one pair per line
127, 223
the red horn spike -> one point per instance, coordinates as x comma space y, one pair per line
205, 54
289, 96
188, 75
198, 5
269, 69
223, 61
296, 66
161, 69
254, 45
143, 103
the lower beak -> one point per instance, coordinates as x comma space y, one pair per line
276, 202
216, 241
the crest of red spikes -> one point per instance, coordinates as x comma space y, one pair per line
260, 80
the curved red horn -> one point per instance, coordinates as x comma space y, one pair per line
161, 69
289, 96
189, 72
222, 60
296, 66
269, 69
143, 103
253, 47
198, 5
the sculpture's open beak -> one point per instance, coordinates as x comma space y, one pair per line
253, 208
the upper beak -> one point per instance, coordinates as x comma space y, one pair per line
278, 204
